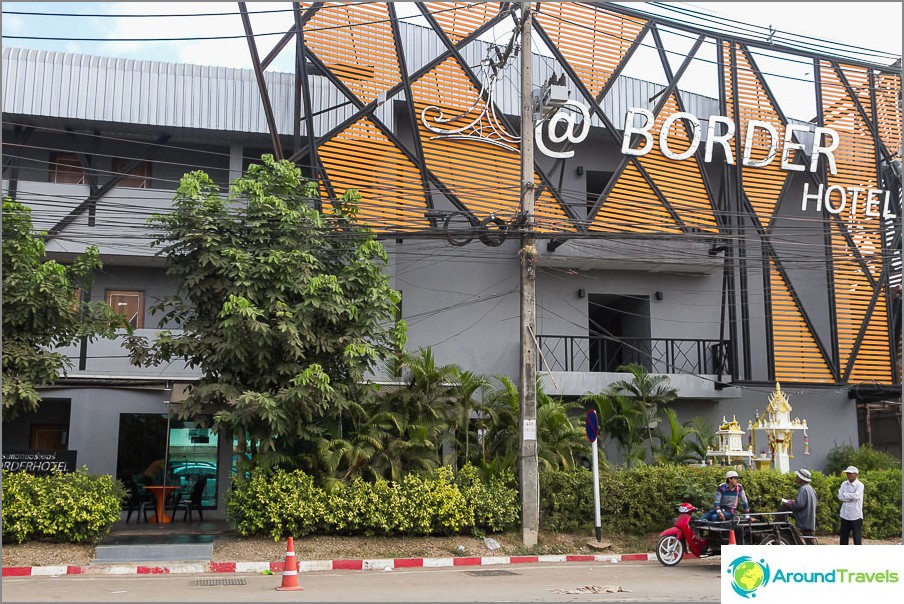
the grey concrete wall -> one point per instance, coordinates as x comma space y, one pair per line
94, 420
462, 302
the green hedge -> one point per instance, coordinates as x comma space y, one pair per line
282, 503
74, 507
644, 499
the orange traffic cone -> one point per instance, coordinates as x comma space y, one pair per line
732, 540
290, 570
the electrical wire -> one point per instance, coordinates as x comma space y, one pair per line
236, 36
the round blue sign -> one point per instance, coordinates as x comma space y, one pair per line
593, 425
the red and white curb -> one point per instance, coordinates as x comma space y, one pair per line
383, 564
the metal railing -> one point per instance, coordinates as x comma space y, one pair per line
658, 355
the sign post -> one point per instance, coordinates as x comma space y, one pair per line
592, 425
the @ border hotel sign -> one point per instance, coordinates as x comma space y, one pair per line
39, 462
721, 130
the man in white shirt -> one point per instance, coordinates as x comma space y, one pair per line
851, 496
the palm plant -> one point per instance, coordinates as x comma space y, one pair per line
703, 435
621, 420
651, 391
428, 385
675, 446
503, 405
560, 440
466, 405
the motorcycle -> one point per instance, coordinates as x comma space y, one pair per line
700, 539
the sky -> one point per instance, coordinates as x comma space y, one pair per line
859, 25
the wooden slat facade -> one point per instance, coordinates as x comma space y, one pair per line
652, 194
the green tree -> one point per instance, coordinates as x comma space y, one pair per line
42, 310
284, 309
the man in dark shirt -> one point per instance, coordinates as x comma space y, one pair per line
803, 507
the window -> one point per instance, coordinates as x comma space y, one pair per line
128, 303
138, 178
66, 168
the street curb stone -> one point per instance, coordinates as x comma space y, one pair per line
381, 564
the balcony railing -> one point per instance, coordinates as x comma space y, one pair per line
658, 355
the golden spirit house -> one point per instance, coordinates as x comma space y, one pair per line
698, 210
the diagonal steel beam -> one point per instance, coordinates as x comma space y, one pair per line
261, 83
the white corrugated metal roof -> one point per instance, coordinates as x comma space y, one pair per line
155, 93
58, 84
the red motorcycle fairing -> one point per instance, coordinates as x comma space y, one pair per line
691, 547
672, 531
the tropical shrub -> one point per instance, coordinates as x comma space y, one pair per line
72, 507
643, 499
864, 458
494, 503
434, 506
276, 504
281, 503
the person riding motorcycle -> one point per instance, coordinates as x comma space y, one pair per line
729, 496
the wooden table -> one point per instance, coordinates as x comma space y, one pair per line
160, 493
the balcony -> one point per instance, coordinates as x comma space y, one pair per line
575, 365
109, 360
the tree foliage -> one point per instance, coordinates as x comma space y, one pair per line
42, 311
283, 308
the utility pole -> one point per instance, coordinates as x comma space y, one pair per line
530, 479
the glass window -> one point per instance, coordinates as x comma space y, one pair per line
191, 458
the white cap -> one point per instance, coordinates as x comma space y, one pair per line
804, 475
731, 474
851, 470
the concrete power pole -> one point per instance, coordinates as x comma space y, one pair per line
530, 479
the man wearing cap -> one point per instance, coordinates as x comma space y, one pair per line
803, 507
850, 494
730, 495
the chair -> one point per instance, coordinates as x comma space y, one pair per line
194, 500
138, 501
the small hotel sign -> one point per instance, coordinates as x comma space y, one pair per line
39, 462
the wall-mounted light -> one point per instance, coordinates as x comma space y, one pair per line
581, 293
580, 170
658, 295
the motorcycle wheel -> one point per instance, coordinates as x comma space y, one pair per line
669, 550
773, 540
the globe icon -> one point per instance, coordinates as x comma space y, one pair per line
748, 575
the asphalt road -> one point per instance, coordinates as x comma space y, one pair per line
690, 581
